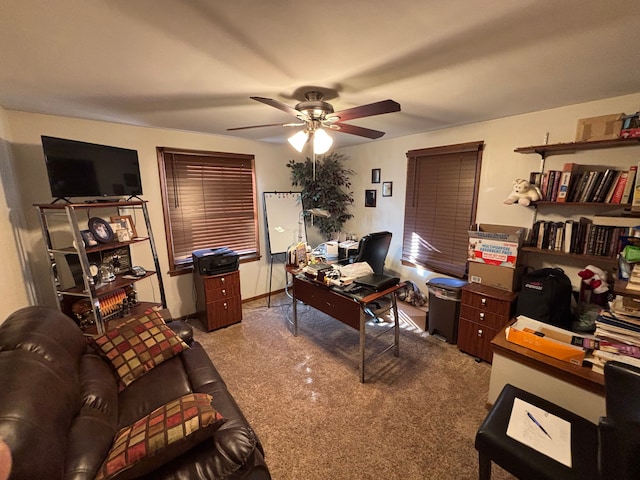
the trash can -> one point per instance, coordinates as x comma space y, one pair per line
444, 307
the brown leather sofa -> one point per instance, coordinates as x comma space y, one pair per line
60, 405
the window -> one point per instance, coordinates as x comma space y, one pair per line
209, 201
440, 207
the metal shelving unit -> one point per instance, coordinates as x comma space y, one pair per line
61, 229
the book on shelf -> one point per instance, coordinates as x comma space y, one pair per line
616, 220
568, 236
544, 185
594, 179
628, 188
553, 196
604, 185
535, 178
635, 200
565, 181
581, 181
613, 186
610, 176
618, 188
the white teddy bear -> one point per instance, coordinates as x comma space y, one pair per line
523, 193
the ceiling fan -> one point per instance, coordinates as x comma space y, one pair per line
315, 114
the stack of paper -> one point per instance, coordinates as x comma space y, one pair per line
540, 430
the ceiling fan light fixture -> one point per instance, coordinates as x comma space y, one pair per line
321, 142
299, 140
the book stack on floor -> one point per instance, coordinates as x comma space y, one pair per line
618, 334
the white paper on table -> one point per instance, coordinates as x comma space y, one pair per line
556, 445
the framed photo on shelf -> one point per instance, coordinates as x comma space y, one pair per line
125, 222
370, 198
100, 229
387, 189
88, 238
375, 175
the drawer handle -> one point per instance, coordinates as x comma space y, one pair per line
224, 292
480, 333
225, 306
222, 279
481, 315
483, 301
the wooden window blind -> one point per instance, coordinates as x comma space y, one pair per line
209, 201
440, 206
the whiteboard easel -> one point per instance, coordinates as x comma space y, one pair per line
284, 224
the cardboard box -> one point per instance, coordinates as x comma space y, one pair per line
537, 336
505, 278
604, 127
496, 245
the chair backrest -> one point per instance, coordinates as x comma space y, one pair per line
620, 429
373, 249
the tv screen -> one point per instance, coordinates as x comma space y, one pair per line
81, 169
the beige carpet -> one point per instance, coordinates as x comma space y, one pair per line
414, 418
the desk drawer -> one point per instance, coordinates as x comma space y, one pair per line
340, 307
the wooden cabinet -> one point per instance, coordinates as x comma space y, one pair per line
92, 300
484, 311
218, 302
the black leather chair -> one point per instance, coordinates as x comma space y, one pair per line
620, 429
373, 249
607, 451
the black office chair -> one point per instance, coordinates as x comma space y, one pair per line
607, 451
620, 429
373, 249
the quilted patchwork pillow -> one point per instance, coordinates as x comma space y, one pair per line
138, 345
164, 434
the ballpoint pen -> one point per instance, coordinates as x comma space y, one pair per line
538, 424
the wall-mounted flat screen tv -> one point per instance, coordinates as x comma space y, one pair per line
81, 169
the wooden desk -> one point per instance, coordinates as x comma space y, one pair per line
576, 388
346, 309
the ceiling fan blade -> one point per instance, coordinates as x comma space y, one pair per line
377, 108
280, 106
355, 130
268, 125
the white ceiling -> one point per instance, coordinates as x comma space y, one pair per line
192, 64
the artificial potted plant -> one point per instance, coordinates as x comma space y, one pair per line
327, 189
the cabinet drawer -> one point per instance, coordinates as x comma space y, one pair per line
218, 282
225, 291
486, 303
224, 312
475, 339
483, 317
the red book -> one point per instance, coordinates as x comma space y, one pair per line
628, 189
619, 190
565, 179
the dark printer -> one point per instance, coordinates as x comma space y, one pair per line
214, 261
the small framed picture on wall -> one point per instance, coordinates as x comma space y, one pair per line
370, 198
387, 189
375, 175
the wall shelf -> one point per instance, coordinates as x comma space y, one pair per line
573, 147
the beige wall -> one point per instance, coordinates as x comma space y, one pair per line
14, 281
500, 167
26, 128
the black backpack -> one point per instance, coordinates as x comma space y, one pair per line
546, 296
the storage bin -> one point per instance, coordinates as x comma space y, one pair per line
444, 307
